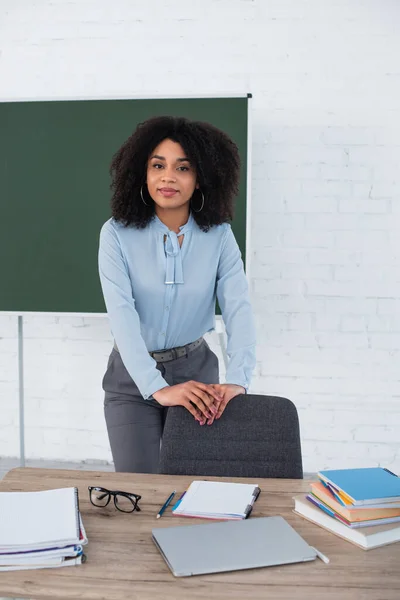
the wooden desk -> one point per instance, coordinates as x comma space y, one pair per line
123, 562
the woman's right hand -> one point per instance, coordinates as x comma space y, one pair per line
200, 399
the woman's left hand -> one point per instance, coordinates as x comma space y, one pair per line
227, 391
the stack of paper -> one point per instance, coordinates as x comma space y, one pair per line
217, 500
40, 529
361, 505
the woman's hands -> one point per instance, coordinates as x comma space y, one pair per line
228, 391
200, 399
205, 402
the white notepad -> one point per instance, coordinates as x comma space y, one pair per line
217, 500
35, 520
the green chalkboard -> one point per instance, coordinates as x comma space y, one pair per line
55, 191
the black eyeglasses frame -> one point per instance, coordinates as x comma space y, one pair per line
134, 498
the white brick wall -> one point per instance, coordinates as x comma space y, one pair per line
325, 210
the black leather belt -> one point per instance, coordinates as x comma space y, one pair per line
173, 353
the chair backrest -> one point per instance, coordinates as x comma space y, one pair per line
256, 436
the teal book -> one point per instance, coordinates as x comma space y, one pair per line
359, 487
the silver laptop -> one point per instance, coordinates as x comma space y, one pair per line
231, 546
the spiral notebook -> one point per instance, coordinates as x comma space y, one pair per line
39, 520
217, 500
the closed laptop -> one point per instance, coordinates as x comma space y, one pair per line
230, 546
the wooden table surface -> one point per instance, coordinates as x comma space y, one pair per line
123, 562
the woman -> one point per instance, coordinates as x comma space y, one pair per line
164, 256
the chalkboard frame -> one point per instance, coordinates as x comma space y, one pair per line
247, 166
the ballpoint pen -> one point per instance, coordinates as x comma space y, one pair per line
177, 503
164, 506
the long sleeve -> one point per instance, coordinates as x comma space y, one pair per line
233, 298
124, 319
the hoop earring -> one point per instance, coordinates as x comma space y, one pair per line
141, 195
202, 203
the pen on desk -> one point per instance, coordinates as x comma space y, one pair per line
324, 558
164, 506
177, 503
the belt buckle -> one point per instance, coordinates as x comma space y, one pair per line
174, 353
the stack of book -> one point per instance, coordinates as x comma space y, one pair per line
359, 505
41, 529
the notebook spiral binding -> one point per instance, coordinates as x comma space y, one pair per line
78, 526
249, 507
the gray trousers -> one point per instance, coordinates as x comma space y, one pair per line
135, 425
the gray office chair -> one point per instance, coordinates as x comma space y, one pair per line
257, 436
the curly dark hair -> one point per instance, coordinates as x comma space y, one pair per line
212, 153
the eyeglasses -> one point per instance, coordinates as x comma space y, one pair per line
123, 501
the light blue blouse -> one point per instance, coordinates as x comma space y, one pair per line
161, 295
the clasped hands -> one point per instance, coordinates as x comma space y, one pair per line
206, 402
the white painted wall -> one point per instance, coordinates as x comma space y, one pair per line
325, 80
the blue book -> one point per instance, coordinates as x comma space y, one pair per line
360, 487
